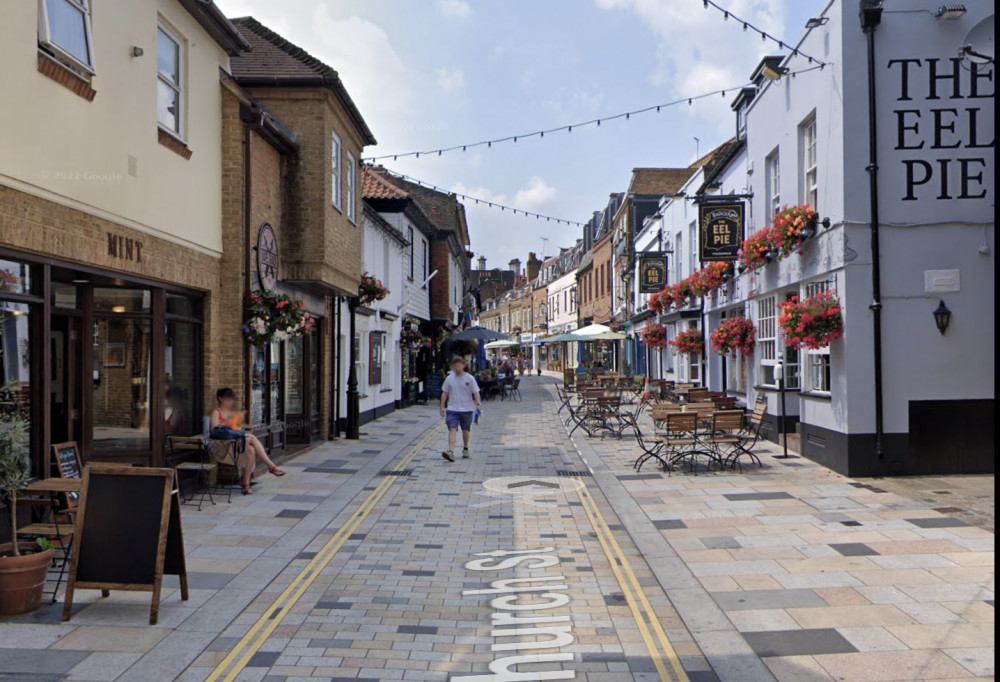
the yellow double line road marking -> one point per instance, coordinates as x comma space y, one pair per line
237, 659
649, 625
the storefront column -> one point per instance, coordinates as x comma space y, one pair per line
353, 427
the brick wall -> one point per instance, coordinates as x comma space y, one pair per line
440, 286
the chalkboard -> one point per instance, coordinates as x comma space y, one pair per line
66, 459
432, 386
128, 528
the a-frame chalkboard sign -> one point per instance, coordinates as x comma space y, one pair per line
128, 534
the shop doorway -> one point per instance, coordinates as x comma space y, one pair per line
66, 378
302, 387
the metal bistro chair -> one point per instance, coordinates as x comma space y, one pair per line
514, 390
680, 441
202, 470
725, 438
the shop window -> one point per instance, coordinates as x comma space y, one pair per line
376, 351
121, 399
120, 300
335, 155
64, 30
183, 306
15, 277
169, 83
182, 411
819, 370
294, 377
15, 367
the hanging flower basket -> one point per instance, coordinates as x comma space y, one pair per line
709, 278
734, 335
654, 336
615, 326
655, 302
275, 317
812, 323
791, 226
516, 331
409, 337
753, 252
371, 289
689, 342
683, 293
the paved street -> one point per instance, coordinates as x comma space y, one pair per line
548, 553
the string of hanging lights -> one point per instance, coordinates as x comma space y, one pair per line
626, 115
482, 202
764, 35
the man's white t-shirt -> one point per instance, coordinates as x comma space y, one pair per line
460, 390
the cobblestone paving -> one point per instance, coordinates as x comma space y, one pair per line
788, 572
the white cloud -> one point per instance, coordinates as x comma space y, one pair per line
534, 196
455, 8
450, 79
697, 50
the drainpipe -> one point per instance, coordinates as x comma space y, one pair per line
247, 198
338, 361
871, 17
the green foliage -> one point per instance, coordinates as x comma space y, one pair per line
14, 471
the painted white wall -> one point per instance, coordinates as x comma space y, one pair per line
563, 315
59, 146
385, 258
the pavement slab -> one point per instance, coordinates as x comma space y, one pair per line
336, 572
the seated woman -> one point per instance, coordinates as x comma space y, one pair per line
226, 417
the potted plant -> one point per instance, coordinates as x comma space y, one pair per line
734, 335
654, 336
689, 342
812, 323
792, 226
22, 567
275, 317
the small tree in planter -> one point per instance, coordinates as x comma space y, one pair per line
734, 335
689, 342
22, 571
812, 323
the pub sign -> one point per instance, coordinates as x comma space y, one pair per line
652, 273
721, 231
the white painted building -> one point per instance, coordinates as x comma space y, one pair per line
807, 141
385, 255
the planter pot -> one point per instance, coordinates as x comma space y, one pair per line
21, 580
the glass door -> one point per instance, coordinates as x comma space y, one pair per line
302, 387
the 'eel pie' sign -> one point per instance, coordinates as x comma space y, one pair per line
721, 232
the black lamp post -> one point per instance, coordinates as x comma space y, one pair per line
942, 316
352, 428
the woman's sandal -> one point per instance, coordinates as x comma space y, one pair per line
275, 471
246, 489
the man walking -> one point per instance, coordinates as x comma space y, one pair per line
461, 394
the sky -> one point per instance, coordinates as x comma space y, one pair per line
427, 74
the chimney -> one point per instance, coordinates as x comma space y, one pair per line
482, 263
533, 265
515, 265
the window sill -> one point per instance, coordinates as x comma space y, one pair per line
775, 389
172, 143
819, 395
65, 76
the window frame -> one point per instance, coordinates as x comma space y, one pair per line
772, 181
411, 235
178, 87
336, 188
766, 322
45, 35
810, 164
817, 359
352, 190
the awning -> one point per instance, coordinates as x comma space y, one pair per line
502, 344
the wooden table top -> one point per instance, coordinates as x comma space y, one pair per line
55, 485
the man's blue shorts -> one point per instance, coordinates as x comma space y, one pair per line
456, 420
